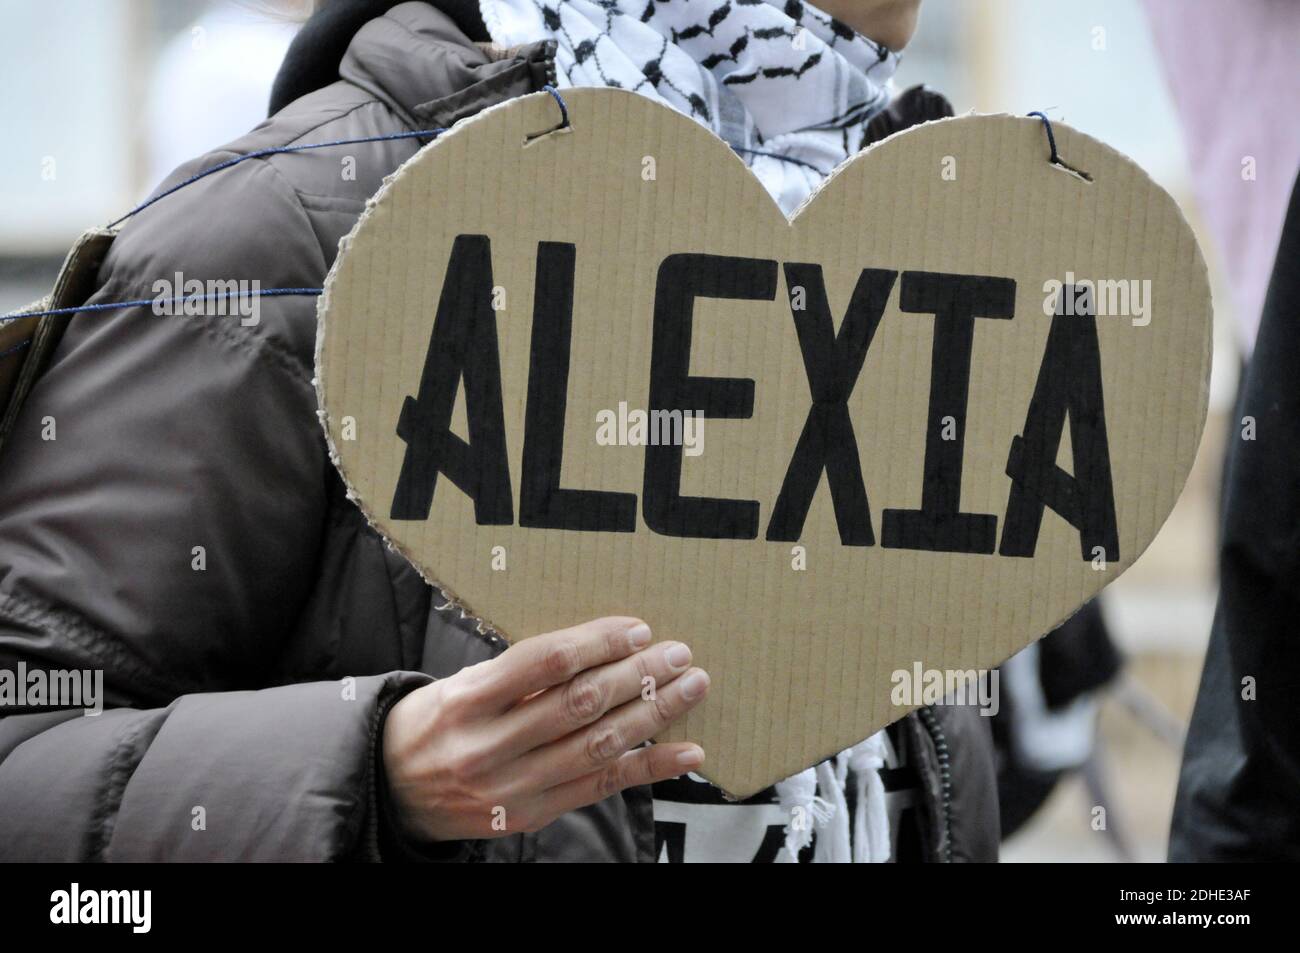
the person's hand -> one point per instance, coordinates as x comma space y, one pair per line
552, 724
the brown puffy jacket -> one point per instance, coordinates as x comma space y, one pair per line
255, 688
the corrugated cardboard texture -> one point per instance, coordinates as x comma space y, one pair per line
801, 659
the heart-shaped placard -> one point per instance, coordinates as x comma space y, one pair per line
942, 407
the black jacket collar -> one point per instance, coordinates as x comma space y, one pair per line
313, 59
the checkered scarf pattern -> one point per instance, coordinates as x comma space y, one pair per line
787, 86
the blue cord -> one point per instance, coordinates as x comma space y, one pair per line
279, 150
564, 109
1051, 139
149, 302
282, 150
265, 293
220, 166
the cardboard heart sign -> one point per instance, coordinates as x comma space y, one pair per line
915, 427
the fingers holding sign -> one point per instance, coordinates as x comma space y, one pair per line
548, 726
588, 750
589, 695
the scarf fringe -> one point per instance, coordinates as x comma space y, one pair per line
816, 802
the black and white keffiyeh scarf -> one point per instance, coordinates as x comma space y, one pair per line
787, 86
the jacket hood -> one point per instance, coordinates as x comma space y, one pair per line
315, 54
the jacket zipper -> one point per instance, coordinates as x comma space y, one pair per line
931, 723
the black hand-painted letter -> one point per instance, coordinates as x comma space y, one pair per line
955, 301
1069, 383
681, 279
543, 503
832, 363
463, 343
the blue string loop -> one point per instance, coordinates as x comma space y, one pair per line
564, 116
1055, 157
564, 109
1051, 139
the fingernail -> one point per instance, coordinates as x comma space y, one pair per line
639, 635
692, 757
695, 684
677, 655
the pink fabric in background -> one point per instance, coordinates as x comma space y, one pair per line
1233, 70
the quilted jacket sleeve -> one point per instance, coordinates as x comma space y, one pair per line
283, 774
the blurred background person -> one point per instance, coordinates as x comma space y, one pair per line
1239, 787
